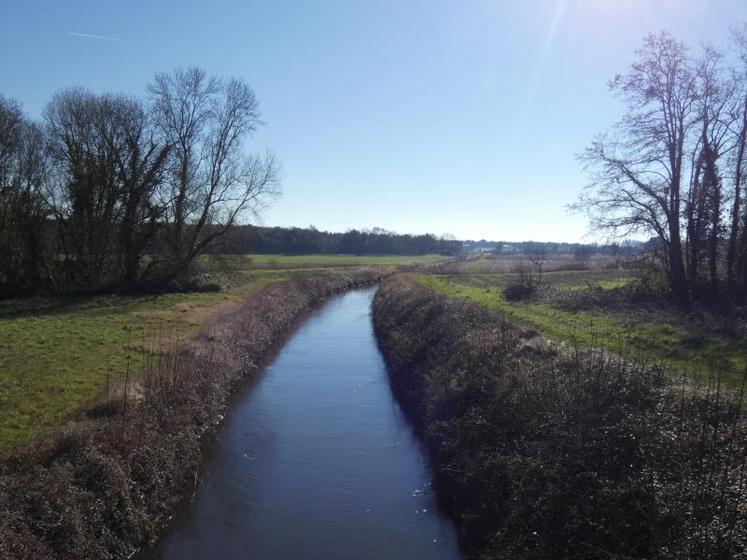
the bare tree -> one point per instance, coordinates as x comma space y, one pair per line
713, 103
537, 254
638, 179
107, 167
582, 255
83, 190
124, 182
736, 259
212, 183
140, 166
22, 212
11, 125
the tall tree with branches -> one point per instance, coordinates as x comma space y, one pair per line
212, 182
108, 166
22, 209
714, 99
638, 177
736, 258
140, 166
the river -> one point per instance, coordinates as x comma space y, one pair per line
316, 461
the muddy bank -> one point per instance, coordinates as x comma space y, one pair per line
103, 489
541, 451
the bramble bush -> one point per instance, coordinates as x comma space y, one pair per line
545, 451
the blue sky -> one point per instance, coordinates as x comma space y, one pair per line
460, 117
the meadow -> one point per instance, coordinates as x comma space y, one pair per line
59, 354
61, 358
603, 307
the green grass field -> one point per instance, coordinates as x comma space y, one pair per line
668, 340
57, 354
249, 262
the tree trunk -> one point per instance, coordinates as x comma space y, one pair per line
732, 252
677, 278
693, 217
713, 189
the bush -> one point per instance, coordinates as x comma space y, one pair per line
517, 291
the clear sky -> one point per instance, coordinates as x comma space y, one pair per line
460, 116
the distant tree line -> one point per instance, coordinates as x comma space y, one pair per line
116, 192
306, 241
674, 166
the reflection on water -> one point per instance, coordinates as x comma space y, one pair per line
317, 460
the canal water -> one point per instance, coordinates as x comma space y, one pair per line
317, 460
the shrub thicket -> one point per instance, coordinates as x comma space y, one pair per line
541, 451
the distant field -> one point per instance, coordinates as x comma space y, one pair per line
323, 261
57, 353
502, 264
558, 279
673, 339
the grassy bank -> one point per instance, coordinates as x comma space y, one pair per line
62, 357
541, 452
105, 487
58, 354
580, 307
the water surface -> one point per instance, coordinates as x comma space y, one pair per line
317, 460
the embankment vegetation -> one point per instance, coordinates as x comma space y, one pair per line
107, 485
548, 451
113, 193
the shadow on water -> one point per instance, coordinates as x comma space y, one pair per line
316, 460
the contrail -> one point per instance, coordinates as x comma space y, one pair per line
99, 37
